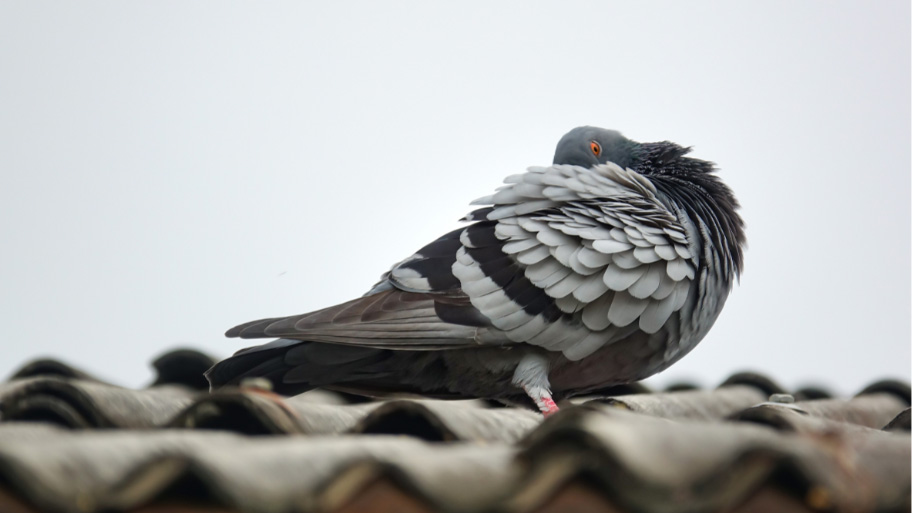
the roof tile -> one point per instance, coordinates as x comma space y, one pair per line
257, 413
84, 404
123, 469
737, 448
873, 410
900, 422
645, 463
449, 420
692, 404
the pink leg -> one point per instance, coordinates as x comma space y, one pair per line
548, 407
543, 400
532, 375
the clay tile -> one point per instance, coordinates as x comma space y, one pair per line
682, 386
51, 367
644, 463
812, 393
82, 404
899, 422
694, 404
756, 380
183, 367
439, 421
890, 386
873, 410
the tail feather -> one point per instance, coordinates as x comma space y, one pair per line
294, 366
248, 363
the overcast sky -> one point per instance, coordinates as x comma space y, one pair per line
171, 169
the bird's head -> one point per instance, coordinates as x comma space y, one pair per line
588, 146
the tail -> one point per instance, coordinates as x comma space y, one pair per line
266, 361
295, 366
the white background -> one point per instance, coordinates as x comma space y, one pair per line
171, 169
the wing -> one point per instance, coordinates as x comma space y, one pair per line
390, 319
567, 258
417, 305
600, 257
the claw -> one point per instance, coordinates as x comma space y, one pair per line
532, 375
547, 406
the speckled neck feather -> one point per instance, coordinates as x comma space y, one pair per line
692, 183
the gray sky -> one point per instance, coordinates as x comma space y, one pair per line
171, 169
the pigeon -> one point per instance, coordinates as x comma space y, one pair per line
602, 269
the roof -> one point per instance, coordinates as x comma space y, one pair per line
70, 442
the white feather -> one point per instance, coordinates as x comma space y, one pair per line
654, 239
568, 304
578, 266
595, 314
531, 206
519, 245
513, 320
534, 255
625, 260
591, 289
633, 233
610, 246
656, 314
510, 231
594, 259
682, 289
666, 252
647, 255
554, 278
558, 335
618, 278
649, 282
479, 287
552, 237
625, 309
541, 270
565, 286
585, 347
682, 251
678, 269
527, 330
665, 288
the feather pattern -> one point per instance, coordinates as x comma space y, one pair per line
592, 245
611, 224
626, 256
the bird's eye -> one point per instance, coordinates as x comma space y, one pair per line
596, 148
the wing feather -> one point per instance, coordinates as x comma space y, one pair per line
609, 225
564, 257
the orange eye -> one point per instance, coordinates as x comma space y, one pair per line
596, 148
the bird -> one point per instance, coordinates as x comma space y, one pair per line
603, 268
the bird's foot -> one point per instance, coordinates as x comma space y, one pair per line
532, 375
547, 405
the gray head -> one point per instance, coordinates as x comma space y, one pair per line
588, 146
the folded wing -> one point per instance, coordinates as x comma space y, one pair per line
567, 258
597, 245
